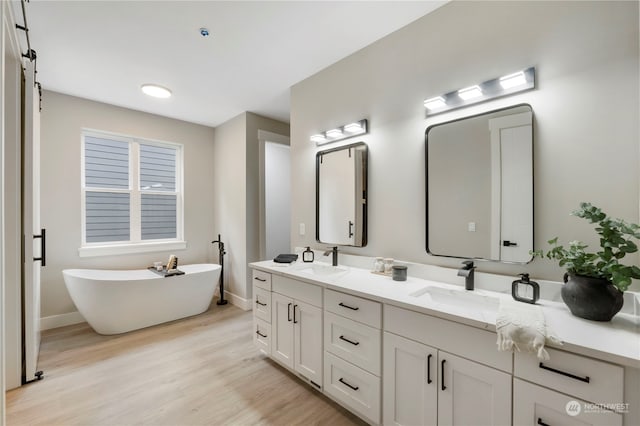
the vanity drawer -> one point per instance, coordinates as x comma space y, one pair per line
586, 378
262, 303
352, 387
305, 292
262, 279
262, 335
355, 342
354, 307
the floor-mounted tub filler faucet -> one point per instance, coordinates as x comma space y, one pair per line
467, 272
333, 251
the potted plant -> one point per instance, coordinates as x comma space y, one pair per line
595, 282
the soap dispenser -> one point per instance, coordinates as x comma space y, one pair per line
524, 290
307, 255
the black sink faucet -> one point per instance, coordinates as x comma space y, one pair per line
334, 255
467, 272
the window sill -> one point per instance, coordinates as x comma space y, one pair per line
116, 249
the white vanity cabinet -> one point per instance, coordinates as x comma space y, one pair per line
427, 384
537, 397
296, 327
353, 349
262, 311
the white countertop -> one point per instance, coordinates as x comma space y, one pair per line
617, 341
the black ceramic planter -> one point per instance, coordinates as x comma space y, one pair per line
590, 298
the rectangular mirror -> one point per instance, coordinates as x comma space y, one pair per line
341, 195
480, 186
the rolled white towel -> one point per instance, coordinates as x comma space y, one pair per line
522, 327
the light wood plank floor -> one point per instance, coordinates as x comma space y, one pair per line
202, 370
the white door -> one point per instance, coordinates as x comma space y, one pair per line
410, 377
472, 394
282, 329
534, 405
33, 235
307, 321
512, 180
277, 199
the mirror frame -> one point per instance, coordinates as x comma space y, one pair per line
426, 189
365, 190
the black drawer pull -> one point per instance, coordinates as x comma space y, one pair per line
349, 341
289, 311
341, 380
294, 314
429, 368
541, 423
442, 374
260, 303
348, 307
260, 334
585, 379
259, 279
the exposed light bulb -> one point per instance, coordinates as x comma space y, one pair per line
434, 103
470, 92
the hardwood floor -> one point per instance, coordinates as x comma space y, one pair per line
203, 370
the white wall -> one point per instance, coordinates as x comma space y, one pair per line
236, 184
63, 117
586, 109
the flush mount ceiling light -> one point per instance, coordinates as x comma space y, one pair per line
343, 132
156, 91
508, 84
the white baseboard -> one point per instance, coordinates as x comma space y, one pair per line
240, 302
55, 321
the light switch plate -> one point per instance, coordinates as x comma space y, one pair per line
301, 229
471, 227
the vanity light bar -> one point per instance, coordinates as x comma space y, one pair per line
509, 84
343, 132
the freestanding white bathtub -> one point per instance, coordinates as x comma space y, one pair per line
115, 302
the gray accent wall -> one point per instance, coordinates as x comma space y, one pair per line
586, 116
63, 117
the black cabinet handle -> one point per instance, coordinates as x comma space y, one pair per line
508, 243
260, 303
348, 307
442, 374
429, 368
349, 341
350, 229
289, 311
355, 388
43, 246
260, 334
541, 423
294, 314
585, 379
259, 279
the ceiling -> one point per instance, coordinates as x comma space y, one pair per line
105, 50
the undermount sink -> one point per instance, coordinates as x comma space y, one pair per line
321, 270
460, 299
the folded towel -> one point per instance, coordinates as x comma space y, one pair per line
522, 327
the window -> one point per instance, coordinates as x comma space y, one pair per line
131, 194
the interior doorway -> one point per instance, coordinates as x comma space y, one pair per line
275, 191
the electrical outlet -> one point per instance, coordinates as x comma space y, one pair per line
471, 227
302, 229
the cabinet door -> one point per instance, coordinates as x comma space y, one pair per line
307, 321
410, 381
472, 394
282, 329
534, 405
